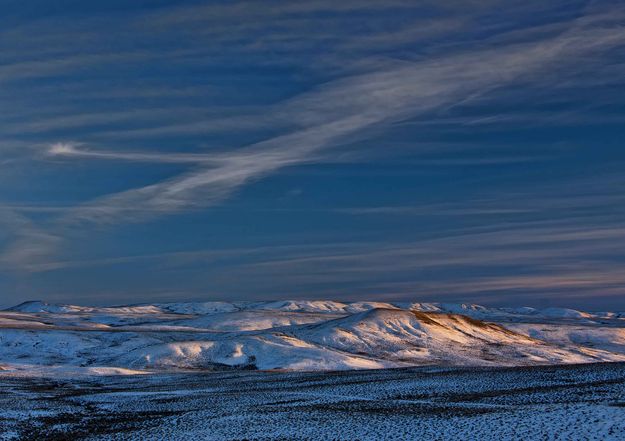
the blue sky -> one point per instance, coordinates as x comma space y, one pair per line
394, 150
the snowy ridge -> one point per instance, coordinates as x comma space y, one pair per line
300, 335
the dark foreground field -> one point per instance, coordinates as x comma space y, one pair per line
569, 402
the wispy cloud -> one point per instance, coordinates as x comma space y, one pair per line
24, 241
525, 259
69, 150
522, 262
62, 65
349, 107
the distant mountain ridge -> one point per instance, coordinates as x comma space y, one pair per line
316, 306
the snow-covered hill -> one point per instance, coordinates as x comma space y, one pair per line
300, 335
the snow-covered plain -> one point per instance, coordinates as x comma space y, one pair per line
572, 402
37, 338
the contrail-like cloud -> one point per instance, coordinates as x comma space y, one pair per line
69, 150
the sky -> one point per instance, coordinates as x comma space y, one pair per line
457, 151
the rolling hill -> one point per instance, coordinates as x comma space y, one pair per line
300, 335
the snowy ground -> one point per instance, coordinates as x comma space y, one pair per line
574, 402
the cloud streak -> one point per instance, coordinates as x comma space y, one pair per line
25, 242
71, 150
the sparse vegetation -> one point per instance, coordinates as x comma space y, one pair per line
547, 403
